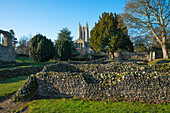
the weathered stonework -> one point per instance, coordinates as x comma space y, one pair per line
72, 85
82, 43
132, 82
9, 73
7, 53
27, 91
127, 56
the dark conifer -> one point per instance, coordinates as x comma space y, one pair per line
41, 48
110, 34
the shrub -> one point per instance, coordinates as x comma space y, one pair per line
41, 48
64, 46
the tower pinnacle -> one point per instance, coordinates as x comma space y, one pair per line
87, 25
79, 25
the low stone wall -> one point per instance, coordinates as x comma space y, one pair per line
126, 56
75, 85
9, 73
7, 54
59, 85
27, 91
65, 80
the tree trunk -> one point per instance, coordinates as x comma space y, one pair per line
112, 52
165, 51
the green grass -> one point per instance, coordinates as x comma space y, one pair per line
83, 106
26, 61
14, 67
11, 85
32, 62
154, 62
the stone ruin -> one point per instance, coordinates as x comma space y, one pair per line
125, 56
7, 53
128, 81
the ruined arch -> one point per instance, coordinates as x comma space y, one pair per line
7, 40
1, 39
7, 53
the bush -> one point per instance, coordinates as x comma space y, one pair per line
63, 50
64, 46
41, 48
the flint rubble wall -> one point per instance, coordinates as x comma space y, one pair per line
62, 83
131, 88
9, 73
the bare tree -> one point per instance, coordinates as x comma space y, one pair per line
148, 15
24, 44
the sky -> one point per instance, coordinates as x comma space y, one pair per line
48, 17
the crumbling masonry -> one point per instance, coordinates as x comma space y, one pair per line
7, 53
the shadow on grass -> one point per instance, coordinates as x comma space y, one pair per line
20, 65
14, 79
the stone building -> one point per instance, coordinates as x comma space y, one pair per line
7, 53
156, 53
82, 43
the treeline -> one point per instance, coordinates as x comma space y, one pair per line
43, 49
147, 21
109, 35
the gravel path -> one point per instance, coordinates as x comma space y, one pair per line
6, 106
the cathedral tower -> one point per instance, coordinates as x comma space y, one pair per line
86, 33
83, 33
79, 32
82, 43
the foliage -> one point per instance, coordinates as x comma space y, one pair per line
41, 48
105, 106
145, 16
65, 35
64, 46
11, 85
63, 50
110, 34
142, 40
14, 39
139, 46
23, 47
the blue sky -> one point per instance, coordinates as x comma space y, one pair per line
48, 17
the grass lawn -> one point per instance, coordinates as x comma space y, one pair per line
73, 105
24, 59
28, 60
11, 85
154, 62
83, 106
25, 62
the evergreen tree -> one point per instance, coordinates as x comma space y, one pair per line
110, 34
41, 48
65, 34
64, 45
66, 51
